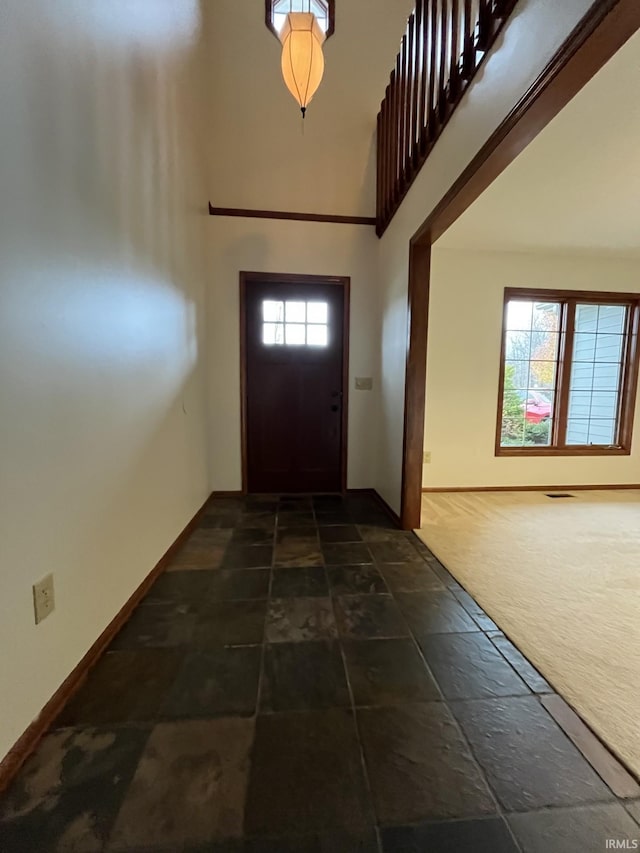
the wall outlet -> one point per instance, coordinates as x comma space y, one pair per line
426, 457
43, 598
364, 383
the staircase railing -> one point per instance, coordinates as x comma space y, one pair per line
443, 47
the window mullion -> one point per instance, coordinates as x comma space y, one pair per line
564, 375
625, 388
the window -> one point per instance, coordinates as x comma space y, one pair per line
295, 323
569, 371
277, 11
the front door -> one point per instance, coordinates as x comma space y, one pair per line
295, 359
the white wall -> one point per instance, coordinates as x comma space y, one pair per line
102, 434
260, 245
463, 361
534, 32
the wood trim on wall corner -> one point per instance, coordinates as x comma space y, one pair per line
246, 213
452, 489
28, 741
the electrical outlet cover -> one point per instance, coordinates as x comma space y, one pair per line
43, 598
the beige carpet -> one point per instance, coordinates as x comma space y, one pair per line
562, 579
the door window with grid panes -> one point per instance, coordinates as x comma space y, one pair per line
295, 323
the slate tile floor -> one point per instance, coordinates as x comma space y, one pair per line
305, 677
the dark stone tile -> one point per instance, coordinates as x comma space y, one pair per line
190, 785
396, 551
261, 503
203, 550
349, 580
333, 516
252, 536
303, 676
577, 830
237, 584
419, 765
339, 533
295, 519
608, 768
362, 617
295, 503
371, 517
475, 611
327, 502
306, 773
205, 537
346, 554
67, 795
410, 577
222, 520
231, 623
123, 686
188, 587
329, 842
193, 560
388, 672
518, 661
485, 835
633, 807
248, 557
216, 682
298, 553
296, 619
158, 626
434, 612
445, 576
307, 535
467, 666
527, 758
298, 581
223, 505
375, 533
257, 518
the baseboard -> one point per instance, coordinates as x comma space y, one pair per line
28, 741
608, 487
234, 494
379, 500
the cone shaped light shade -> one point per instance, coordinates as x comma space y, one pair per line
302, 59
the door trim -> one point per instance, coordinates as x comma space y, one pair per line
596, 38
246, 278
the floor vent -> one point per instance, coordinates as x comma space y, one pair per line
560, 495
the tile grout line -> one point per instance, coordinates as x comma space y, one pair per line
458, 727
363, 761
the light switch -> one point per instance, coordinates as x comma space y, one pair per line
364, 383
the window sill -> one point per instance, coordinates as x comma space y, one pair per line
576, 450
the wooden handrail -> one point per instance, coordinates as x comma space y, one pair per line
441, 51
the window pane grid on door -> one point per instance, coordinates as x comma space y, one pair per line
598, 355
295, 323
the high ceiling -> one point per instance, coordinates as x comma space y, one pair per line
260, 155
576, 187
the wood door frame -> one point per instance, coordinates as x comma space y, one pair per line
603, 30
246, 278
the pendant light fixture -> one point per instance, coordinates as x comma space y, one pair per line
302, 60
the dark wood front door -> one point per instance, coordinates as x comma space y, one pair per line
295, 358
